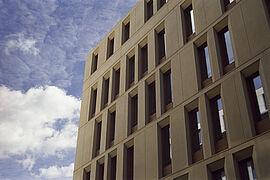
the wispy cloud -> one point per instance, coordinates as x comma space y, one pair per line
54, 172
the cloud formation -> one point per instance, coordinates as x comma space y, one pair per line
54, 172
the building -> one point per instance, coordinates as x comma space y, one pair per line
178, 90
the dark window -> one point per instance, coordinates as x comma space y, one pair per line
226, 51
258, 105
228, 4
149, 9
126, 32
112, 128
161, 45
189, 22
161, 3
204, 64
219, 174
219, 128
246, 168
113, 169
101, 171
267, 3
152, 100
116, 83
93, 103
144, 60
106, 92
87, 175
167, 83
195, 135
98, 137
94, 63
130, 163
134, 113
131, 64
111, 47
166, 150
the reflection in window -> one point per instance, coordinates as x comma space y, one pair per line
247, 171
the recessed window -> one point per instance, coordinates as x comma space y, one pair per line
219, 174
167, 85
226, 51
106, 92
152, 101
126, 32
116, 83
166, 150
87, 175
97, 138
219, 128
131, 71
205, 68
246, 169
110, 47
133, 113
111, 130
195, 135
267, 4
228, 4
93, 103
161, 3
100, 170
258, 105
189, 23
129, 163
94, 63
149, 11
112, 172
161, 46
144, 60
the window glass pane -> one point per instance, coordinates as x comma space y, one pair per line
260, 94
251, 171
199, 128
208, 67
223, 177
192, 21
229, 47
221, 116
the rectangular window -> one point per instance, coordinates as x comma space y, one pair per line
134, 113
205, 68
110, 47
94, 63
246, 168
126, 32
106, 92
267, 4
152, 101
87, 175
195, 135
219, 128
258, 105
112, 175
189, 23
166, 150
111, 128
130, 163
161, 46
144, 60
116, 83
167, 83
219, 174
131, 68
98, 137
226, 51
149, 9
228, 4
93, 103
100, 171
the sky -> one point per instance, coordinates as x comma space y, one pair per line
43, 47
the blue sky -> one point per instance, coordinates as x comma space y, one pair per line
43, 46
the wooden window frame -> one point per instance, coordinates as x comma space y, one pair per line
220, 139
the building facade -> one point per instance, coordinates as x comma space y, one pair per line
178, 90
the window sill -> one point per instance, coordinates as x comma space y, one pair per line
206, 82
131, 84
230, 5
229, 68
152, 117
262, 125
168, 107
167, 170
97, 152
163, 59
190, 37
134, 129
144, 74
221, 145
197, 156
111, 143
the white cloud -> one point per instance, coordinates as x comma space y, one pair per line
54, 172
21, 43
28, 123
